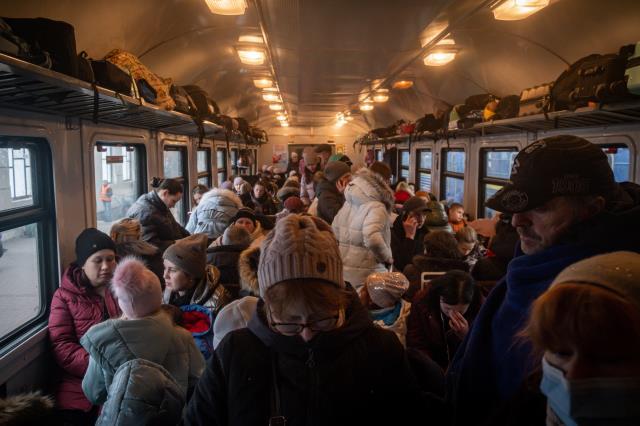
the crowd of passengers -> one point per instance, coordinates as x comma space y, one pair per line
322, 296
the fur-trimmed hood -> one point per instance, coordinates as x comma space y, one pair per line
288, 191
30, 408
248, 269
221, 197
368, 186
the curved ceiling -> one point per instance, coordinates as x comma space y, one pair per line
326, 52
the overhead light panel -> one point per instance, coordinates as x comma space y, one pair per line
402, 84
262, 83
276, 107
366, 105
281, 117
227, 7
381, 95
284, 124
271, 95
250, 38
443, 53
251, 56
512, 10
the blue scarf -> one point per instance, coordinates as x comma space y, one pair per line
387, 315
492, 362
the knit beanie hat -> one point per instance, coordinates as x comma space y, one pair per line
294, 204
90, 241
386, 288
227, 185
137, 289
189, 254
238, 181
233, 316
334, 170
299, 247
236, 236
382, 169
245, 212
617, 272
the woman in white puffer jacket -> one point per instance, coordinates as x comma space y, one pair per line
214, 213
363, 227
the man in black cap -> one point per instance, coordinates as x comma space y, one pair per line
324, 151
408, 231
566, 206
330, 192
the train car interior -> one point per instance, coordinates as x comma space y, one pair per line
446, 92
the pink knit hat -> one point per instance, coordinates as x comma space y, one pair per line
137, 289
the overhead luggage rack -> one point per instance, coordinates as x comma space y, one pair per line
597, 116
28, 87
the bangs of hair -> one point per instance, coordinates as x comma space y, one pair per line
597, 322
303, 297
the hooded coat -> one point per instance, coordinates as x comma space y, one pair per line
159, 227
363, 227
334, 379
399, 326
214, 213
330, 201
142, 393
208, 293
490, 367
75, 308
154, 338
225, 258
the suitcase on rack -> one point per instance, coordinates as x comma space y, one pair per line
535, 100
206, 107
55, 37
428, 123
632, 71
13, 45
151, 87
104, 74
184, 102
594, 78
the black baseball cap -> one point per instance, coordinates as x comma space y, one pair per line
415, 204
561, 165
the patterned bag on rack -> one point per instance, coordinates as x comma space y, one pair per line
130, 63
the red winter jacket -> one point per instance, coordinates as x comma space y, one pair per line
74, 309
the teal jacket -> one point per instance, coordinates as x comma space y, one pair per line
155, 338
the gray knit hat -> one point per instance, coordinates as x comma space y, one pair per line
236, 235
299, 247
189, 254
618, 272
334, 170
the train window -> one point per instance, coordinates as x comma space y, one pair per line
119, 181
221, 161
254, 162
204, 167
28, 244
495, 170
234, 162
453, 176
175, 166
619, 160
423, 176
378, 154
405, 159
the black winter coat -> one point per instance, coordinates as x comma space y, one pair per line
225, 258
357, 374
158, 224
330, 201
403, 248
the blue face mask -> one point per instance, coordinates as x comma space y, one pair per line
597, 401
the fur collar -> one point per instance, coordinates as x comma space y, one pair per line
369, 186
248, 269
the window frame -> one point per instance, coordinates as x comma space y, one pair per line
604, 146
42, 213
420, 169
483, 179
401, 166
446, 173
184, 179
208, 174
223, 169
141, 162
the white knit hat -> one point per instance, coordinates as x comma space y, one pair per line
299, 247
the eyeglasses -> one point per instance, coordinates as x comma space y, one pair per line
293, 328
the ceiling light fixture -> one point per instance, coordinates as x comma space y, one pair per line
227, 7
271, 97
251, 56
262, 83
442, 53
276, 107
281, 117
366, 105
402, 84
381, 95
512, 10
284, 124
